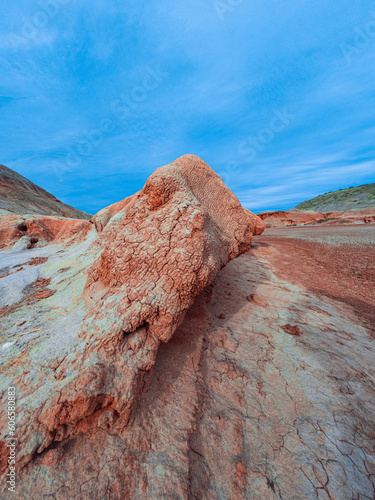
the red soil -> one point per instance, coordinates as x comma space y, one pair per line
345, 272
36, 261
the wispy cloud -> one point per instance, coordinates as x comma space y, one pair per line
226, 77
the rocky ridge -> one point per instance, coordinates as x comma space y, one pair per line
20, 196
296, 217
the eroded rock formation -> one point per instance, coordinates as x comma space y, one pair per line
28, 231
289, 218
147, 368
296, 217
99, 305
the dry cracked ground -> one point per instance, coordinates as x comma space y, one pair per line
265, 390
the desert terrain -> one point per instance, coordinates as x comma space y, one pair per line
337, 263
187, 250
169, 348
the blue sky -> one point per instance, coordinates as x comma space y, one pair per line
278, 97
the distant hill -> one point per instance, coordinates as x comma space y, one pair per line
20, 196
353, 198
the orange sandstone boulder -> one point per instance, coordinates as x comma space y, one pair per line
118, 288
165, 245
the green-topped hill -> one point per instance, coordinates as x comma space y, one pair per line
353, 198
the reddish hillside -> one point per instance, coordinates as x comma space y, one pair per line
20, 196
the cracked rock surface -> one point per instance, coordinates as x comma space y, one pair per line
85, 308
236, 408
143, 382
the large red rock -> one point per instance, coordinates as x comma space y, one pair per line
104, 303
166, 244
